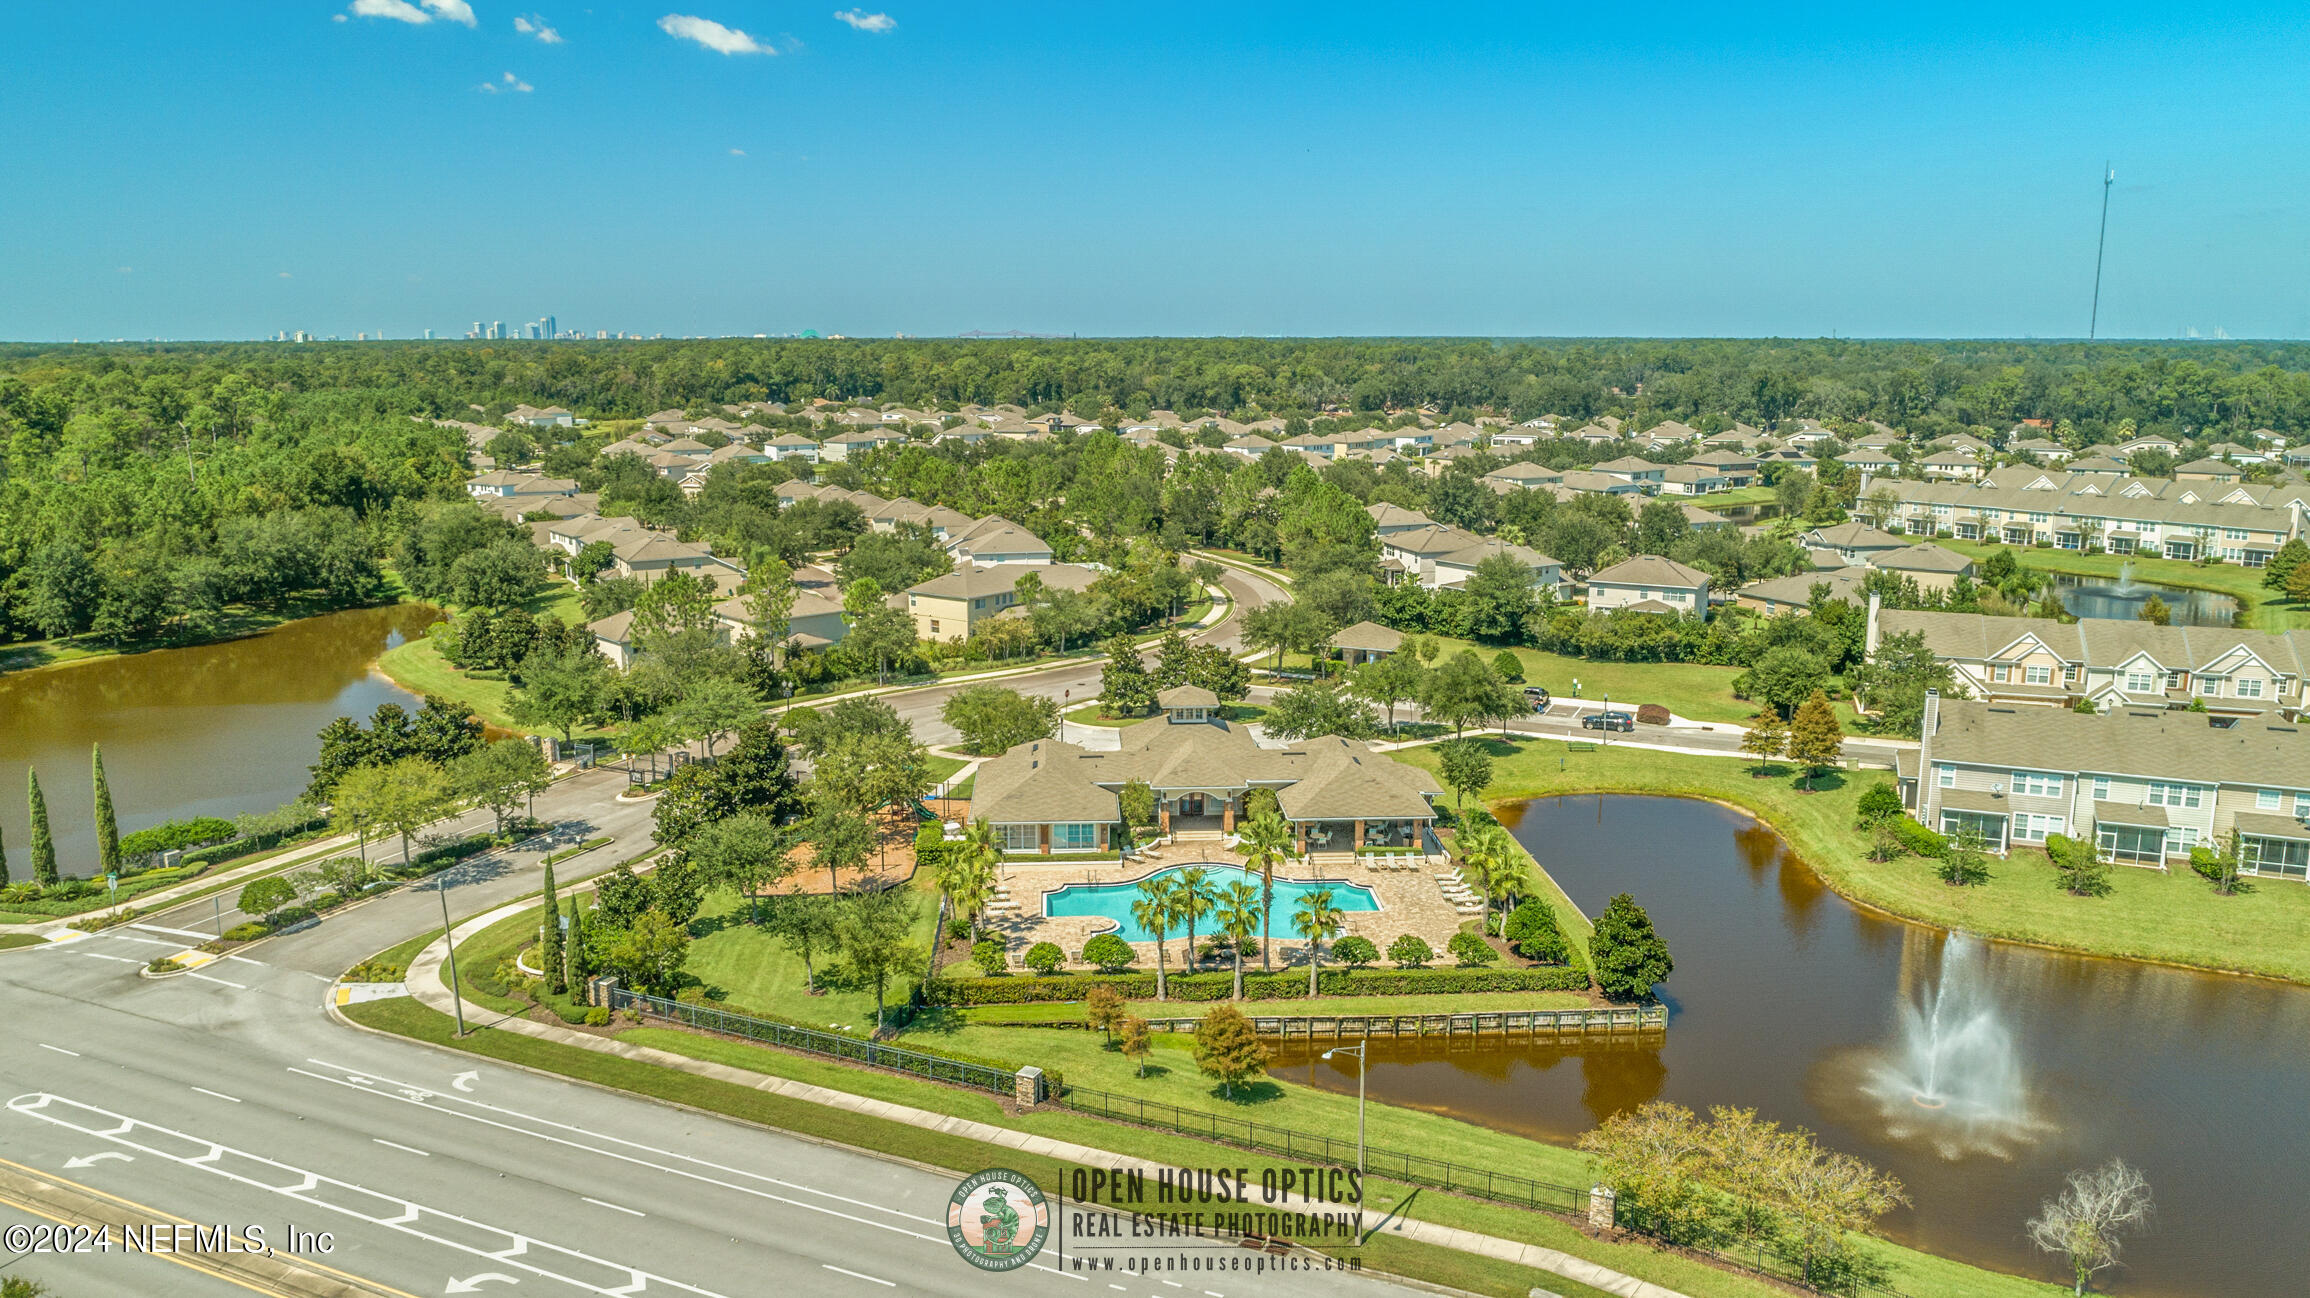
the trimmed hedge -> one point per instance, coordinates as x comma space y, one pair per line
1256, 986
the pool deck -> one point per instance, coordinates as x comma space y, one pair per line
1410, 902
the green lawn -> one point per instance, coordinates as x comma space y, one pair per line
2258, 606
2174, 918
942, 767
1697, 691
418, 666
1729, 499
755, 974
10, 941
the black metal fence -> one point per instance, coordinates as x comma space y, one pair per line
834, 1045
1393, 1165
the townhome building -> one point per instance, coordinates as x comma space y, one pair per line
2022, 505
1649, 583
1644, 473
2110, 662
2144, 785
792, 446
994, 540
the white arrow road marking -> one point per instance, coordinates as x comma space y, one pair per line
91, 1160
357, 1202
472, 1283
355, 1079
465, 1081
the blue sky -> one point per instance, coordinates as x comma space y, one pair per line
215, 170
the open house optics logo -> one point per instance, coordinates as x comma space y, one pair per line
997, 1220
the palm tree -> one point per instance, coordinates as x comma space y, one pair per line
1195, 899
1265, 841
967, 876
1493, 855
1239, 912
1155, 911
1316, 920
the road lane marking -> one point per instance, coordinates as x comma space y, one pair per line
121, 958
409, 1093
219, 1094
855, 1275
403, 1148
174, 932
60, 1050
314, 1189
613, 1207
219, 981
245, 960
145, 941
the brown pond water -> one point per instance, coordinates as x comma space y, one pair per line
1788, 999
213, 730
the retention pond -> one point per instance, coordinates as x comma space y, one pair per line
1979, 1073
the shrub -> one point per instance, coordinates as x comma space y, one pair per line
598, 1016
931, 848
1533, 931
248, 931
1111, 953
1919, 840
166, 964
1355, 951
1471, 951
1879, 803
1509, 667
1651, 714
991, 955
1045, 958
2080, 868
1278, 986
175, 834
373, 971
1410, 951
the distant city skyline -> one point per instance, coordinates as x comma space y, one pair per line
229, 172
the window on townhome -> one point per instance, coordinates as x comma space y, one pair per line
2031, 827
2302, 805
2268, 800
1945, 775
2101, 788
2069, 673
2173, 680
1021, 838
2249, 687
2036, 784
2001, 674
2210, 686
1074, 837
2038, 675
2163, 794
2139, 681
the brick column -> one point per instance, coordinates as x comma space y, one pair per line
1359, 835
1027, 1089
1601, 1204
1227, 815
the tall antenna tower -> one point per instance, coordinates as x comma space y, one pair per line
2108, 178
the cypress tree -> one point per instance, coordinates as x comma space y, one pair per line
3, 856
573, 947
107, 827
43, 846
549, 944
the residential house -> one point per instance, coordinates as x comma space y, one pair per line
2207, 471
792, 446
551, 417
1649, 580
499, 484
858, 441
1387, 519
993, 540
1366, 642
2149, 443
1644, 473
2144, 785
1602, 484
953, 605
1951, 466
1690, 479
1437, 557
647, 556
1931, 566
1739, 469
1775, 596
2044, 450
1854, 543
1523, 475
1870, 461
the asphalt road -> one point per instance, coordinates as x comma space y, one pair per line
236, 1101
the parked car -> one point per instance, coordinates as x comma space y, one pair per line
1608, 721
1537, 697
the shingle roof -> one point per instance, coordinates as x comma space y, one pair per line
2099, 642
1922, 557
1650, 570
2161, 743
1187, 696
1368, 637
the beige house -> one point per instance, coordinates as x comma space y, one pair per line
1438, 557
1366, 642
951, 606
2144, 785
647, 556
2071, 509
1649, 579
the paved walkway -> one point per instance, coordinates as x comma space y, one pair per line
425, 983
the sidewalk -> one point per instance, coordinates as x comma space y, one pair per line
425, 983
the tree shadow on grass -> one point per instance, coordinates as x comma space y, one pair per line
1248, 1094
1826, 781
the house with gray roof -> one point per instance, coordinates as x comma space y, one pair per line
2144, 785
2076, 508
1437, 556
1650, 579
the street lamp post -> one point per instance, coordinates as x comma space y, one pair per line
1362, 1067
449, 941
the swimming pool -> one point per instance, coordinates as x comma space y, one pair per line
1113, 900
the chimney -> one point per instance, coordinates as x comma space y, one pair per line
1870, 636
1928, 795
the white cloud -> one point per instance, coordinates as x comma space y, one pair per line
737, 153
401, 11
336, 18
125, 270
512, 85
865, 21
534, 25
283, 275
712, 35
